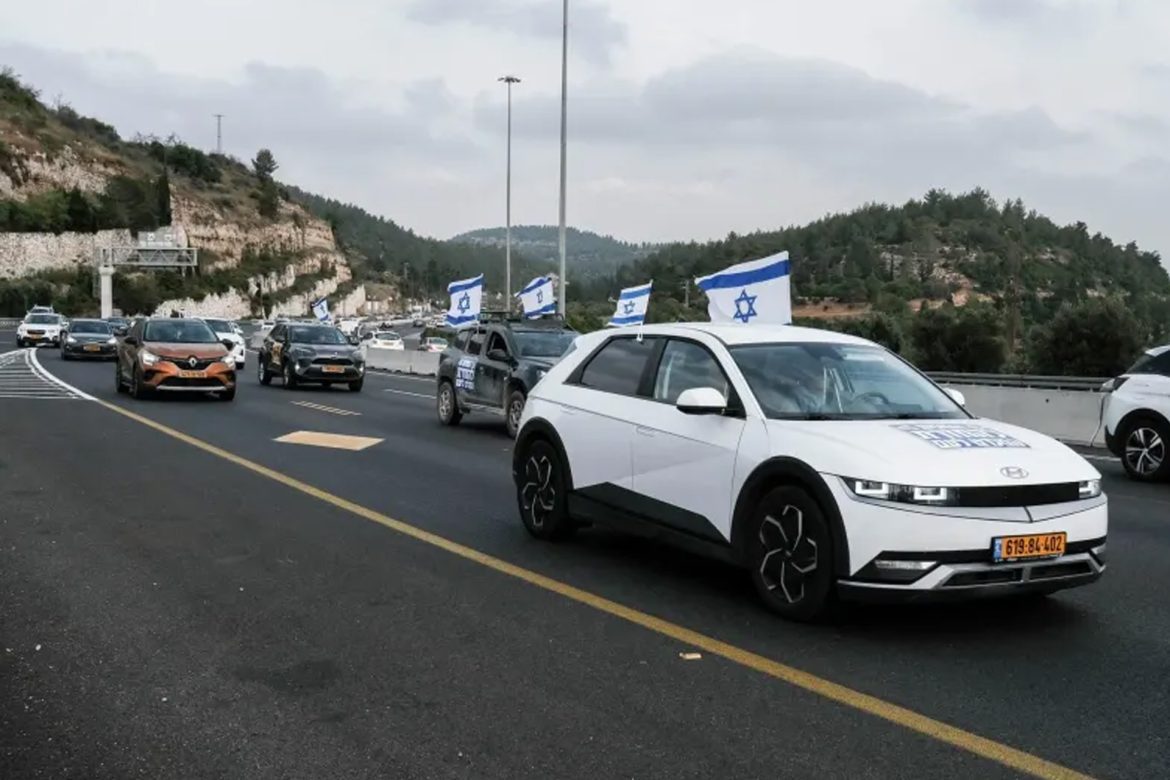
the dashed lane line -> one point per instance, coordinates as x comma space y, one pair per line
324, 408
407, 392
911, 720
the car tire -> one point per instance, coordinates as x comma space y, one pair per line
290, 376
542, 492
790, 554
513, 411
137, 390
119, 385
227, 395
447, 405
65, 355
262, 372
1144, 443
356, 387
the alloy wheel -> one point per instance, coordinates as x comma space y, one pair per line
1144, 451
515, 412
790, 556
539, 494
445, 403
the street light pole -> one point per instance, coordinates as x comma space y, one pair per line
564, 119
508, 81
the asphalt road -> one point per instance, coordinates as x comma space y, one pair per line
168, 612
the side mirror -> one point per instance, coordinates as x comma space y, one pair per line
131, 340
229, 344
498, 355
956, 396
701, 400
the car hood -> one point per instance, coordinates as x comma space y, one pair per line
541, 362
947, 453
324, 350
201, 351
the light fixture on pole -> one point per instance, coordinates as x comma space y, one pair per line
564, 282
508, 82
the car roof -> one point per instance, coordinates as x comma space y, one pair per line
733, 335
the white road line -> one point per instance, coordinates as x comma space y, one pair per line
407, 392
36, 366
329, 409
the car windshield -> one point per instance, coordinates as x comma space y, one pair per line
219, 326
316, 335
385, 335
819, 381
178, 331
89, 326
42, 319
544, 343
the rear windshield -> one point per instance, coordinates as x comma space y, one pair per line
179, 332
89, 326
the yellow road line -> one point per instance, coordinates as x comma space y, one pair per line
965, 740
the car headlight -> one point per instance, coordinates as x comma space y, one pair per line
904, 494
70, 340
1089, 488
147, 357
111, 341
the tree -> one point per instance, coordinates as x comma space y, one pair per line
1098, 337
264, 164
81, 216
162, 192
968, 340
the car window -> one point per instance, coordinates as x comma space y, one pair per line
460, 340
1152, 364
476, 343
277, 333
496, 341
618, 366
686, 365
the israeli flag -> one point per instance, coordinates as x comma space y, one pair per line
537, 298
752, 293
466, 301
321, 309
632, 305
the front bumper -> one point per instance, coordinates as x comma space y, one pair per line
41, 339
167, 377
898, 552
83, 350
316, 372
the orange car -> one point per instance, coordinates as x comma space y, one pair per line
174, 355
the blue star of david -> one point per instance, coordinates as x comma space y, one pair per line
628, 307
742, 314
464, 303
540, 296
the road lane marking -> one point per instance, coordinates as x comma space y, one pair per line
21, 376
324, 408
998, 752
334, 441
407, 392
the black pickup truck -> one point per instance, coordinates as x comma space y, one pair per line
491, 366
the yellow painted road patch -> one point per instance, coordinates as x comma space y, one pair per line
334, 441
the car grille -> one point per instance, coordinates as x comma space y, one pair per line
185, 363
210, 383
1018, 495
332, 361
32, 332
1053, 570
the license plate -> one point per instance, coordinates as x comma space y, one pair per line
91, 348
192, 374
34, 337
333, 369
1016, 548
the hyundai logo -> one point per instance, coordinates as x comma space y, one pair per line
1013, 472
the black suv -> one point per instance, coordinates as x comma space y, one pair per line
492, 365
299, 352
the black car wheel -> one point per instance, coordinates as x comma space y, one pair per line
446, 404
790, 554
514, 411
1143, 455
119, 385
137, 387
541, 493
290, 376
262, 372
228, 395
356, 386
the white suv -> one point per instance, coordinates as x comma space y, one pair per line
824, 463
1136, 415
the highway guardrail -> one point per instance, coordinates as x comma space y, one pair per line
1021, 380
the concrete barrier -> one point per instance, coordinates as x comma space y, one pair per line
1073, 416
403, 361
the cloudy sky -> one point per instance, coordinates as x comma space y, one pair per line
687, 118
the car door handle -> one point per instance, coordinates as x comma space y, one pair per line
642, 430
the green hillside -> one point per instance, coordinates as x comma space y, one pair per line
588, 255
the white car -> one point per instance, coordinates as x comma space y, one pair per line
824, 463
386, 339
226, 331
1136, 416
432, 344
40, 328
